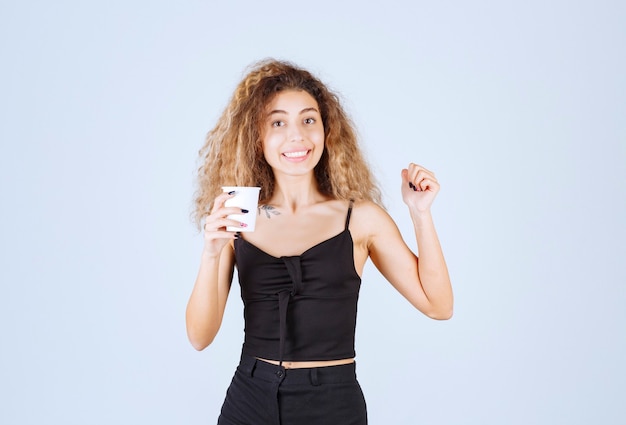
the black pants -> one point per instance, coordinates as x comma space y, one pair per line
261, 393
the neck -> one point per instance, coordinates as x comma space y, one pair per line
294, 192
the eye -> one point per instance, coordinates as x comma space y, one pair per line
309, 120
278, 123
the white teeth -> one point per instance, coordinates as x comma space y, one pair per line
295, 154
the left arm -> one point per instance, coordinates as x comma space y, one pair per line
423, 281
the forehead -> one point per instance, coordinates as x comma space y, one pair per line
287, 100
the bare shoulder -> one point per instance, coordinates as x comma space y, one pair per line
368, 210
369, 219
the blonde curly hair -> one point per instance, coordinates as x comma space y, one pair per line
233, 152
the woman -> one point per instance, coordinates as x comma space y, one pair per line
300, 271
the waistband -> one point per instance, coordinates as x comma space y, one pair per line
259, 369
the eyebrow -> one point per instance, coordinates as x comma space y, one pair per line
304, 111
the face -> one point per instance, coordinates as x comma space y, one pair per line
293, 133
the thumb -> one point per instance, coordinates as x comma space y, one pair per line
404, 174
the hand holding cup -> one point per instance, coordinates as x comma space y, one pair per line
227, 217
247, 199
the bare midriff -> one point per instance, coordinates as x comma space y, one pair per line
309, 364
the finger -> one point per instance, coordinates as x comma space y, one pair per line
222, 213
221, 224
406, 180
420, 173
417, 169
224, 234
210, 222
414, 169
424, 174
428, 184
221, 199
413, 165
409, 178
225, 211
419, 178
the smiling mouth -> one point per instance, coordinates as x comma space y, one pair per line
298, 154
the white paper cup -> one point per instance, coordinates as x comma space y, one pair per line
246, 198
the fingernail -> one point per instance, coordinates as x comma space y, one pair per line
232, 192
236, 235
412, 186
244, 211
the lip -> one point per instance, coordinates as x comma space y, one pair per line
296, 155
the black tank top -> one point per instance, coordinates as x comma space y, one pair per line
300, 308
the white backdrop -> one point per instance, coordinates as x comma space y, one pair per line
519, 107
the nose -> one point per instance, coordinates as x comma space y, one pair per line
295, 135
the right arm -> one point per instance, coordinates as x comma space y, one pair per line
207, 302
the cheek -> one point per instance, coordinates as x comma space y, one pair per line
317, 136
322, 140
268, 149
266, 143
263, 147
